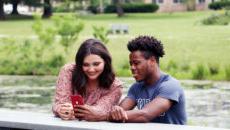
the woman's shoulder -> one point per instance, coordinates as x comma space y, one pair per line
117, 83
68, 67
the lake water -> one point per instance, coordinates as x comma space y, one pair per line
207, 102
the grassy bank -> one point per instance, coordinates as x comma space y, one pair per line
192, 50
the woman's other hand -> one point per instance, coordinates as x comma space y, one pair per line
86, 112
66, 111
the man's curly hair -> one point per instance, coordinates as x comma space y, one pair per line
149, 45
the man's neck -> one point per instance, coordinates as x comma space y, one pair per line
153, 78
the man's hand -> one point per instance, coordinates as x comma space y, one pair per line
66, 111
118, 114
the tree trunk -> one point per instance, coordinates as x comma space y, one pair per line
47, 9
2, 15
119, 9
15, 7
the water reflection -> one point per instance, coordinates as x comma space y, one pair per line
208, 103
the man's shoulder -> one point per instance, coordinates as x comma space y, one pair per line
137, 85
170, 81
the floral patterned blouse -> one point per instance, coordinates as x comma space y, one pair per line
101, 99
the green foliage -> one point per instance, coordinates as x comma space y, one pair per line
124, 69
101, 33
134, 7
95, 5
199, 72
23, 59
217, 19
45, 34
227, 72
219, 4
68, 27
172, 65
213, 69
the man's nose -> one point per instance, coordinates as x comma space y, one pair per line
132, 67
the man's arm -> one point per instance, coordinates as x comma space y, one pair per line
151, 110
127, 104
118, 113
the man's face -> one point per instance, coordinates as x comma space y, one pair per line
139, 66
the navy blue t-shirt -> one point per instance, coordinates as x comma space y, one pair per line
166, 87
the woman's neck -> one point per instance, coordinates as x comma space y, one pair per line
92, 84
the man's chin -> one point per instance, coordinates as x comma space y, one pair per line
138, 79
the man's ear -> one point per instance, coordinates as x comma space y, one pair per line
153, 60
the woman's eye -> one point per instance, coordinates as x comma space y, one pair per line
96, 63
85, 65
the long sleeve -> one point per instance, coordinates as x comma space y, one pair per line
63, 87
109, 99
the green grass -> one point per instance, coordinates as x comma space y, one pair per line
185, 39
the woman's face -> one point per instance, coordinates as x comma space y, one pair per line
93, 66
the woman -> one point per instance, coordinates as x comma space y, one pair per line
93, 78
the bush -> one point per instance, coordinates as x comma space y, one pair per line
213, 69
93, 9
101, 33
133, 8
227, 73
199, 72
219, 5
172, 65
217, 19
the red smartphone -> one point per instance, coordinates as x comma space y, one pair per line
77, 100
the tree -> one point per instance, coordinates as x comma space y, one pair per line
15, 6
2, 15
47, 9
119, 9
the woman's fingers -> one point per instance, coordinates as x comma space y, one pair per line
66, 111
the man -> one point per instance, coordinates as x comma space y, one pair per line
158, 97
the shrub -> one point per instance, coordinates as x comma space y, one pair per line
133, 8
227, 72
93, 9
199, 72
101, 33
69, 28
172, 65
124, 69
217, 19
213, 69
219, 4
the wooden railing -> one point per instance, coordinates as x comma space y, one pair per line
10, 119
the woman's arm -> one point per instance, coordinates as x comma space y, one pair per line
100, 110
63, 88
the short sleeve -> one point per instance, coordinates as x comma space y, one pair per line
132, 92
170, 91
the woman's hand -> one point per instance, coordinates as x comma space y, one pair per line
66, 111
118, 114
86, 112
